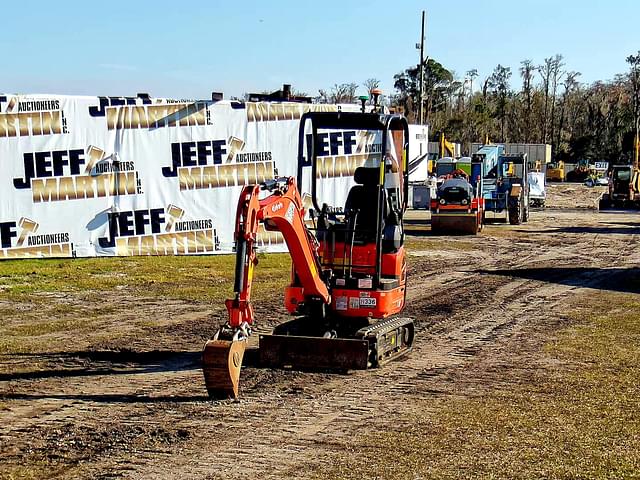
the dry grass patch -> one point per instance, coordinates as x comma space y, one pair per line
574, 415
197, 278
449, 243
44, 298
35, 471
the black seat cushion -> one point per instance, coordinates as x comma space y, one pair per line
362, 211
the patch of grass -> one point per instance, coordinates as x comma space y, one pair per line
31, 333
34, 471
13, 345
502, 230
194, 278
42, 297
45, 327
575, 419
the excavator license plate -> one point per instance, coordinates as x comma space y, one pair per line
313, 353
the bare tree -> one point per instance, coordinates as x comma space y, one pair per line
471, 75
527, 71
370, 84
545, 73
556, 76
570, 84
340, 93
634, 62
323, 96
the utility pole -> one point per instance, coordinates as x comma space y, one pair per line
636, 148
421, 86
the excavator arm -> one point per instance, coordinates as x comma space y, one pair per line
282, 210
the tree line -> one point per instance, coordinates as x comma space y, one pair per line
596, 121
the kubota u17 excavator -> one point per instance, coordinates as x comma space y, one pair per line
348, 279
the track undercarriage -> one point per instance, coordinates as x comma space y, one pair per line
355, 346
302, 344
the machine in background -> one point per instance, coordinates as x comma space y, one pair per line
624, 183
459, 207
555, 171
537, 189
624, 189
506, 189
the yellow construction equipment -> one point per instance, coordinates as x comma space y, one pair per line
624, 183
446, 147
555, 171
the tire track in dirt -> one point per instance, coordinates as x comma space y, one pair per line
313, 429
289, 421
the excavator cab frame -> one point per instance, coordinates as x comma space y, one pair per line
308, 151
390, 182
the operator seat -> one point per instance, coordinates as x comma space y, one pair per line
362, 206
361, 210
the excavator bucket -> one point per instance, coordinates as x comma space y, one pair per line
221, 362
455, 223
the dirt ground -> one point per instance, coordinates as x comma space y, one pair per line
92, 406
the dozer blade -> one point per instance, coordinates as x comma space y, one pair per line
221, 362
455, 223
369, 347
313, 353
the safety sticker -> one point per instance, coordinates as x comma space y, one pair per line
341, 303
290, 212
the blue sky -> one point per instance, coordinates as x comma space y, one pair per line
188, 49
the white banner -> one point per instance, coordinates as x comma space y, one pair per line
87, 176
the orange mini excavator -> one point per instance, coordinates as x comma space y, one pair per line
348, 279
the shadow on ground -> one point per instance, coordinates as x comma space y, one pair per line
610, 228
612, 279
422, 228
106, 362
106, 398
418, 228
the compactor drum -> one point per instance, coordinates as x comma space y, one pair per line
457, 207
348, 278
